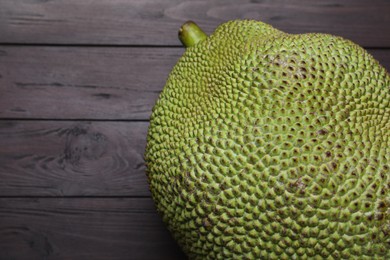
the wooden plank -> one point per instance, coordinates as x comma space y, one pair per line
88, 83
56, 158
73, 83
83, 229
156, 22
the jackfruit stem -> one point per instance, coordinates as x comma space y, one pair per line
190, 34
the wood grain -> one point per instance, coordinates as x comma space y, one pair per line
73, 82
156, 22
83, 228
88, 83
56, 158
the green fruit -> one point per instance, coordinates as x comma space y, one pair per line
268, 145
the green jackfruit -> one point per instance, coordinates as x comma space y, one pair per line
268, 145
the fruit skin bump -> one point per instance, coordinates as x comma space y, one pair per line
268, 145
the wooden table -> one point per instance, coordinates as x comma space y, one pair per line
78, 80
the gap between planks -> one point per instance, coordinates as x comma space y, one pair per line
86, 45
75, 197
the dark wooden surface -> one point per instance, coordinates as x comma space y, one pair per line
68, 158
83, 228
78, 80
155, 22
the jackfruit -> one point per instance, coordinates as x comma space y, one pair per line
269, 145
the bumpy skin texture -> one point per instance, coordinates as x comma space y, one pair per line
267, 145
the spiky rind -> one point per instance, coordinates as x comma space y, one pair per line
267, 145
